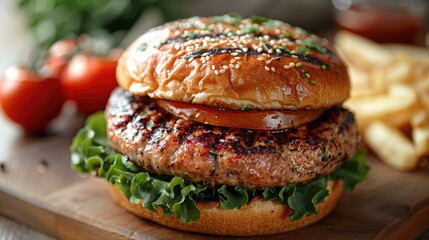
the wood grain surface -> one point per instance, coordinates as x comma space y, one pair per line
39, 189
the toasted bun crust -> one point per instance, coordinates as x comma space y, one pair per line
227, 62
259, 217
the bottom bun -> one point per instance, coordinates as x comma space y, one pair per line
258, 217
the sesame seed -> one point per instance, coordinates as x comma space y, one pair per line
238, 50
204, 54
278, 51
216, 72
259, 58
270, 51
190, 59
286, 66
232, 61
222, 70
223, 51
225, 67
245, 49
291, 64
259, 49
237, 66
237, 58
234, 54
213, 67
207, 58
267, 68
231, 66
273, 69
268, 61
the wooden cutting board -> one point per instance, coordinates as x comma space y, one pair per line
38, 188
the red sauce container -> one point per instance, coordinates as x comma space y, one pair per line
382, 21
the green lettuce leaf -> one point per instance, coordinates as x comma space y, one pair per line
91, 153
353, 172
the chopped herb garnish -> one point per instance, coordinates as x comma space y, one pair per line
313, 82
301, 31
332, 140
284, 50
246, 108
266, 46
214, 154
258, 19
234, 15
149, 124
313, 44
191, 21
325, 157
192, 118
304, 50
144, 112
323, 149
304, 72
338, 72
272, 23
325, 67
142, 47
298, 64
289, 36
251, 29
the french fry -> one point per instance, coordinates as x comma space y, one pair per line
420, 135
409, 53
391, 146
399, 102
390, 84
397, 72
362, 52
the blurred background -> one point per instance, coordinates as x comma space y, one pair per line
29, 27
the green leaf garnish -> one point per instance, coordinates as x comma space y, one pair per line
231, 198
258, 19
246, 108
313, 44
90, 152
353, 172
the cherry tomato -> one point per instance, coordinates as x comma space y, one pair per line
59, 54
30, 100
88, 80
251, 119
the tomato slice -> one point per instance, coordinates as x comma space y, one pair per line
252, 119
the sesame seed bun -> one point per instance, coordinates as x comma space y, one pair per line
226, 62
258, 217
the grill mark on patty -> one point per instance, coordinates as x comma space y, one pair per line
218, 51
221, 155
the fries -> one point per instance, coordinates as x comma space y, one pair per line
391, 145
390, 90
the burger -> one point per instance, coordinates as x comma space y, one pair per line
228, 126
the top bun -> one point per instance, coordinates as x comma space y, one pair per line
234, 63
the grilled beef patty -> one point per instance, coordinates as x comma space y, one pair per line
164, 144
